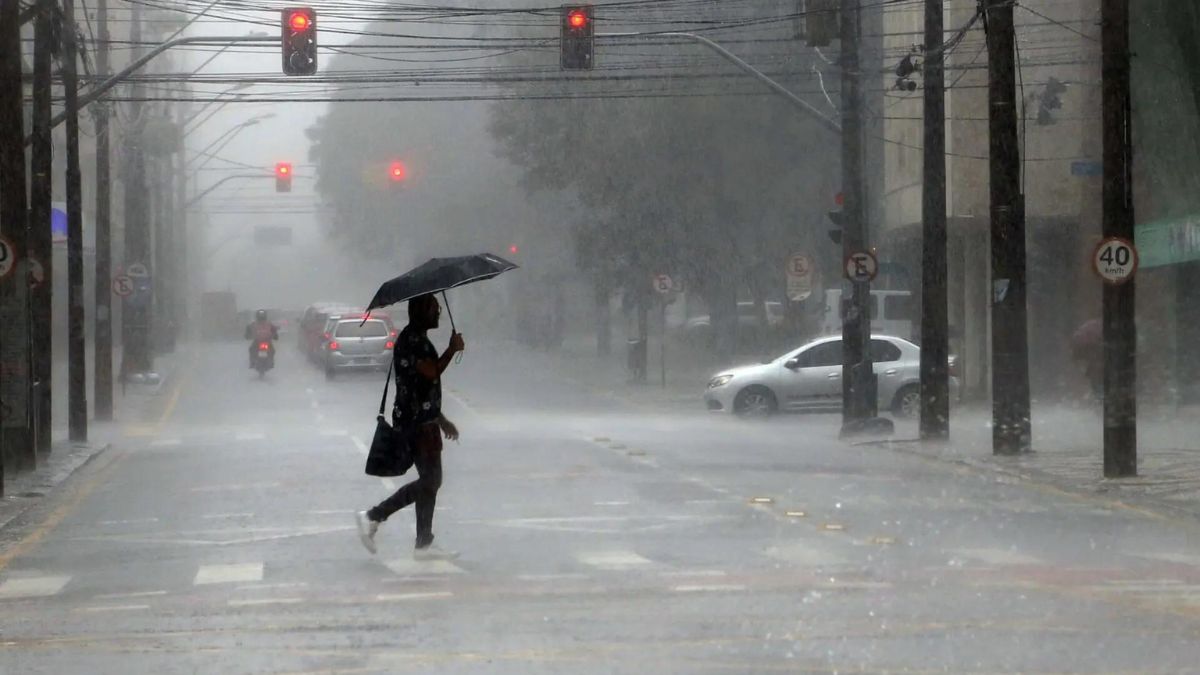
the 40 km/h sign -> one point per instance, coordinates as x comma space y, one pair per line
1115, 260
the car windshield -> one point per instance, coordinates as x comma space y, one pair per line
591, 222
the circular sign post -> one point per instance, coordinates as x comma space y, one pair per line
123, 285
861, 266
8, 258
1115, 260
799, 277
663, 284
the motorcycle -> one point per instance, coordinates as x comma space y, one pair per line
263, 361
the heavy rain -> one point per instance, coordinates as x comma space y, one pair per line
712, 336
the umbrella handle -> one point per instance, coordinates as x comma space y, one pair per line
446, 301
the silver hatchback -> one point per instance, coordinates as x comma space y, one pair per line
810, 379
355, 344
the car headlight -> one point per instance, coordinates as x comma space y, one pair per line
719, 381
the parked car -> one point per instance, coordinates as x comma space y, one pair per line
310, 338
810, 379
891, 313
699, 328
355, 343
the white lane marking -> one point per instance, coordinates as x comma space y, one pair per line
166, 442
552, 577
610, 504
32, 587
393, 597
331, 433
235, 486
129, 596
132, 521
614, 560
225, 574
249, 436
410, 567
362, 447
996, 556
218, 516
708, 588
265, 601
267, 587
113, 608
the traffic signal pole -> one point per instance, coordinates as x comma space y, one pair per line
77, 408
41, 240
1120, 331
102, 394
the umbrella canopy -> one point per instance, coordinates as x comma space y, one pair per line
438, 275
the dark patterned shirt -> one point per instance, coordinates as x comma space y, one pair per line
418, 401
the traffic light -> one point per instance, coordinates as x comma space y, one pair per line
397, 172
299, 40
577, 45
283, 177
838, 219
514, 249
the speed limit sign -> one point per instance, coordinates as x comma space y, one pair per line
1115, 260
8, 258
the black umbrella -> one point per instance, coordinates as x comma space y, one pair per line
439, 275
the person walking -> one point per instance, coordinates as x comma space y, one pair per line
417, 412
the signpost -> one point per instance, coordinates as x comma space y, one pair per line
665, 286
861, 266
1115, 260
799, 277
122, 285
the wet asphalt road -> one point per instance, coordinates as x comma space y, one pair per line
595, 538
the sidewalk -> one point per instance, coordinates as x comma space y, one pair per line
139, 405
1067, 440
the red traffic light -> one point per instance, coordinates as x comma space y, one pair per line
299, 21
397, 171
514, 249
577, 19
283, 169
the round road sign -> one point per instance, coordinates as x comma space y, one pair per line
123, 285
1115, 260
137, 271
663, 284
861, 266
8, 257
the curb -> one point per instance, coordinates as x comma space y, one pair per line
26, 490
1140, 503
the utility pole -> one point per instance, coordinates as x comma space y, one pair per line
1011, 426
41, 239
859, 399
102, 395
135, 323
77, 410
935, 348
1120, 331
16, 438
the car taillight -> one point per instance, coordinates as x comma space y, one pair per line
264, 345
333, 346
390, 345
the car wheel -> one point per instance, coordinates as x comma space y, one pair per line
755, 402
907, 403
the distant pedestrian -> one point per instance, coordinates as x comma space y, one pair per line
418, 414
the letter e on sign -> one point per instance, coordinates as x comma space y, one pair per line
1115, 260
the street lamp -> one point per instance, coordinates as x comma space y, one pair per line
228, 136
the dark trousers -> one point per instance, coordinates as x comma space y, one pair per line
427, 458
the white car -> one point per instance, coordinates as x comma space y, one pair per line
810, 379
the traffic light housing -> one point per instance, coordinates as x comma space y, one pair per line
299, 25
283, 177
577, 45
838, 218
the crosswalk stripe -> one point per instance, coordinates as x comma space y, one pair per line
408, 567
997, 556
113, 608
223, 574
255, 602
166, 442
614, 560
32, 587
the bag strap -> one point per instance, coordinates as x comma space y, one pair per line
386, 383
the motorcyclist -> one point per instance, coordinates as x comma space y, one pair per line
260, 331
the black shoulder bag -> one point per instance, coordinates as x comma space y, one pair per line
390, 453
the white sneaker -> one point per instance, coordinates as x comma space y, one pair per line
432, 552
366, 530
